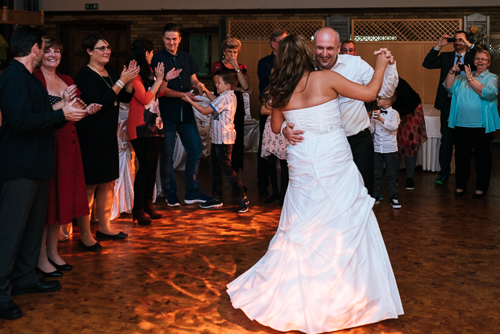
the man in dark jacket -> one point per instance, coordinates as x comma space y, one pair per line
26, 164
444, 61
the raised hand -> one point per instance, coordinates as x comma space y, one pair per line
384, 57
172, 74
159, 71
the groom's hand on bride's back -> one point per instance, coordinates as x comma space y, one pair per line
293, 136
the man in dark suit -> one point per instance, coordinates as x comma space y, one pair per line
26, 164
444, 61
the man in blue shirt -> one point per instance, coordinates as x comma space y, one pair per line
178, 117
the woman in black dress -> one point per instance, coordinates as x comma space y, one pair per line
99, 83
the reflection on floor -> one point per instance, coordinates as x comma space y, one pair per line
170, 277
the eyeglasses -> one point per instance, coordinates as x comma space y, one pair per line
103, 48
482, 59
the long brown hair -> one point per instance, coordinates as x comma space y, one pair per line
294, 58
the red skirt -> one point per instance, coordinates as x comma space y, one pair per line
411, 133
67, 190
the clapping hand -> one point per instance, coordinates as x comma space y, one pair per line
93, 108
129, 73
172, 74
159, 71
69, 94
73, 111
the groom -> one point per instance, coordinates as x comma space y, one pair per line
353, 113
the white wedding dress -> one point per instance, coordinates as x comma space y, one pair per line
326, 268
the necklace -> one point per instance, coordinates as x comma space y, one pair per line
111, 80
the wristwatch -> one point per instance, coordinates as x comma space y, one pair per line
238, 71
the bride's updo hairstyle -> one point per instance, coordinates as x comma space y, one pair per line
294, 58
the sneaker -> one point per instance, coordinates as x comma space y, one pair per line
212, 202
243, 205
442, 179
395, 203
410, 184
190, 199
172, 199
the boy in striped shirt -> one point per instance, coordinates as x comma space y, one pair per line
222, 136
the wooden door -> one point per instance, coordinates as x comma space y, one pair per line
71, 35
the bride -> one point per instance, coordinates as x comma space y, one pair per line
326, 268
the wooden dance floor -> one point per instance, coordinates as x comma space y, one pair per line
171, 276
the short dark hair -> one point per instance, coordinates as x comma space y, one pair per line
174, 27
463, 32
23, 39
52, 42
348, 41
229, 78
275, 34
91, 40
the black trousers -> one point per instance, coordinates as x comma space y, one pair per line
468, 139
447, 141
262, 166
363, 155
147, 150
23, 209
273, 174
220, 165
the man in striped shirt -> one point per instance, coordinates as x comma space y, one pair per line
222, 136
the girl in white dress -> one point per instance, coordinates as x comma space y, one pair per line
326, 268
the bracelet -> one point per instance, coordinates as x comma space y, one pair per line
120, 84
471, 79
238, 71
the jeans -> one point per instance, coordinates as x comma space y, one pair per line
390, 160
220, 164
190, 138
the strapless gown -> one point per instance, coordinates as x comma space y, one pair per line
327, 267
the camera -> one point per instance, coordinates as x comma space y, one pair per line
462, 67
452, 39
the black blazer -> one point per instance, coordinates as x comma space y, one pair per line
444, 61
28, 122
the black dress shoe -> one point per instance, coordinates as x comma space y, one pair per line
60, 266
272, 198
10, 311
459, 193
119, 236
94, 248
52, 274
476, 195
39, 287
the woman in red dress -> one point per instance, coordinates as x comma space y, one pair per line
67, 194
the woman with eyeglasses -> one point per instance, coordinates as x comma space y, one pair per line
474, 116
100, 83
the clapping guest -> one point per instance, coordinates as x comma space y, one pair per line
67, 194
230, 49
100, 83
145, 127
474, 116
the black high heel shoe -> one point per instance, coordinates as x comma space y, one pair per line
151, 211
60, 266
140, 216
52, 274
